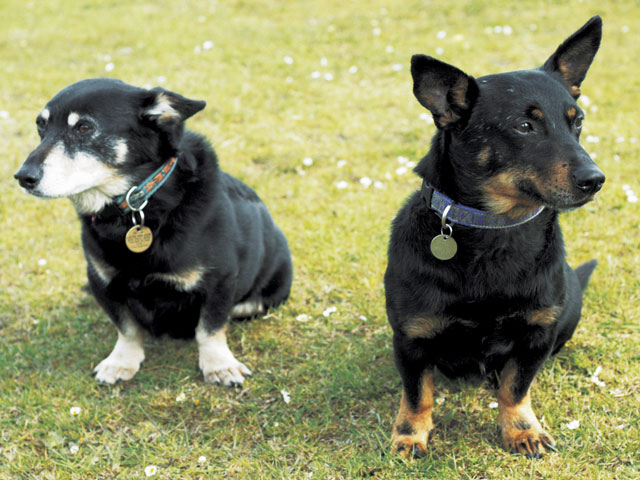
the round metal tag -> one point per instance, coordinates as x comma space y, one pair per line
138, 238
444, 247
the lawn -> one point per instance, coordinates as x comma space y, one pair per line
311, 104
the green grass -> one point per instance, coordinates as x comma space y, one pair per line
264, 116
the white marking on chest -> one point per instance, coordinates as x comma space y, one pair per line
104, 271
185, 281
72, 119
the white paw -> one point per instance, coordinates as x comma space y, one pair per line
229, 375
123, 362
216, 361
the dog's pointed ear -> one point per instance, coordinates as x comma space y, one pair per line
165, 107
573, 58
447, 92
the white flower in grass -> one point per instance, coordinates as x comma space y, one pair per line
425, 116
208, 45
507, 30
285, 396
439, 51
316, 74
109, 67
73, 449
401, 170
440, 400
378, 184
288, 60
308, 161
4, 115
592, 139
328, 77
376, 32
324, 62
75, 411
303, 317
150, 470
42, 262
341, 163
493, 405
341, 185
595, 379
389, 49
396, 67
441, 34
572, 425
584, 100
329, 311
181, 398
202, 459
402, 160
353, 69
366, 182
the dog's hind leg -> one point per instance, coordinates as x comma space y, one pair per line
127, 355
575, 283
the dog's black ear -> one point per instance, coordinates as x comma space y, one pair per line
447, 92
166, 107
573, 58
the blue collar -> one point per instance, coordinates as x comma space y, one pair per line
139, 194
470, 217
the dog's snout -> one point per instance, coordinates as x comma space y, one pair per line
29, 176
588, 179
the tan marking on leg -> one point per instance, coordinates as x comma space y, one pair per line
411, 428
521, 431
544, 317
425, 327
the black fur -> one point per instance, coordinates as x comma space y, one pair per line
512, 131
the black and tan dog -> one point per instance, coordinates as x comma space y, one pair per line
477, 280
173, 244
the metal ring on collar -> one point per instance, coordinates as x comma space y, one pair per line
445, 212
126, 199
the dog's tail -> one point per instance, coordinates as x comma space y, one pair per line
584, 271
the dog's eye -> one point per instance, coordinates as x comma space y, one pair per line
524, 128
84, 127
41, 123
578, 123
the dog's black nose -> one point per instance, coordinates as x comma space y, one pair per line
589, 179
28, 176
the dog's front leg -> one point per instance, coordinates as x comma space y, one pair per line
521, 430
216, 361
414, 423
127, 355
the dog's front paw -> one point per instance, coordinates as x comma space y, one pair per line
411, 445
532, 442
230, 373
123, 362
115, 368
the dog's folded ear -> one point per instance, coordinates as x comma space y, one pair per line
573, 58
163, 106
447, 92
